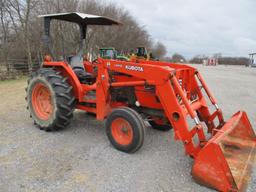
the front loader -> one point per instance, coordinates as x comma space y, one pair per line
126, 94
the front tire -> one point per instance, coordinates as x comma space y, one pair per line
125, 129
50, 99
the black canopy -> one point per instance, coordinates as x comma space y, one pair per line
82, 18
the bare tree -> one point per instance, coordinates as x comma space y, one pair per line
19, 12
21, 30
159, 50
4, 32
178, 58
198, 59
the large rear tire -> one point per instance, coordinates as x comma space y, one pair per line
125, 129
50, 99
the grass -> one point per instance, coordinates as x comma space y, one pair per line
10, 81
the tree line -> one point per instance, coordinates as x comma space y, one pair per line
21, 29
21, 32
222, 60
199, 59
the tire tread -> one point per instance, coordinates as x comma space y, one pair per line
65, 100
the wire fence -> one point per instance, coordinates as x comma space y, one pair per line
15, 68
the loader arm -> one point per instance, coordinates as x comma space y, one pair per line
168, 89
224, 156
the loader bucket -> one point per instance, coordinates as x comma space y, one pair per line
225, 162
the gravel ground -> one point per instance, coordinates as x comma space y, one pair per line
80, 158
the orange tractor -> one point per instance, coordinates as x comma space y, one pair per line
126, 94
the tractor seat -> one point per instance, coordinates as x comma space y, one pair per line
77, 65
83, 76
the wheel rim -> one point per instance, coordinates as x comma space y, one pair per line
122, 131
42, 101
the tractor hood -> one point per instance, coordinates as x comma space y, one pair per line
82, 18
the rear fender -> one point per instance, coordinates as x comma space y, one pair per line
67, 71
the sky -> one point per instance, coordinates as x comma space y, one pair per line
192, 27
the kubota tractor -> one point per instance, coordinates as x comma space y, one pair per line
126, 94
